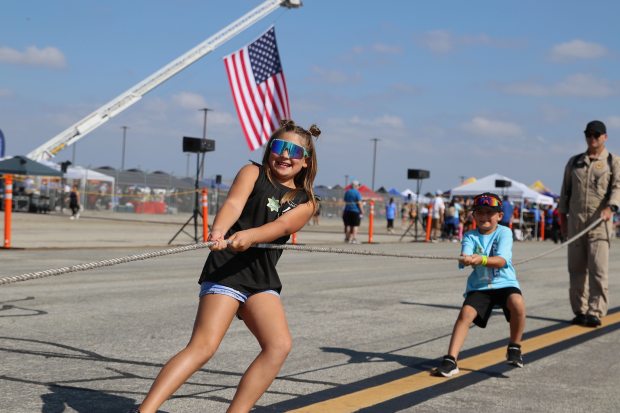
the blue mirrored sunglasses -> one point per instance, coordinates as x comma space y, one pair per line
278, 146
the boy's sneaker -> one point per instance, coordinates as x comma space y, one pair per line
447, 368
513, 355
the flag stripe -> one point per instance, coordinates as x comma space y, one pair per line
248, 96
258, 88
233, 86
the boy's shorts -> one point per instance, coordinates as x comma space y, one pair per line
484, 301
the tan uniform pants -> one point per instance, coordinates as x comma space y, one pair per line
588, 261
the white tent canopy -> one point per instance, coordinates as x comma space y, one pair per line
84, 174
405, 194
79, 172
517, 191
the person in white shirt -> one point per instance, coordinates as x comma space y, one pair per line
438, 209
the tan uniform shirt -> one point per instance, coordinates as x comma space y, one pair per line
585, 192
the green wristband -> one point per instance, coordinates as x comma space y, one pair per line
484, 260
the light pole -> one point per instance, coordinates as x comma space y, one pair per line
374, 161
124, 138
204, 136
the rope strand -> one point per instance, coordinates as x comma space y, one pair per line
192, 247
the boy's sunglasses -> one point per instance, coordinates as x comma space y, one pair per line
487, 201
594, 135
278, 146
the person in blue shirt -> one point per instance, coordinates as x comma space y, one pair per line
507, 210
353, 212
492, 283
390, 214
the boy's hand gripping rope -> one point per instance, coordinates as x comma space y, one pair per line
192, 247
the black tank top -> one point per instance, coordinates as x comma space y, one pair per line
254, 269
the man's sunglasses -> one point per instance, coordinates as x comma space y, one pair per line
278, 146
594, 135
487, 201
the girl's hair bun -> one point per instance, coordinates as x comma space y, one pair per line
287, 124
314, 130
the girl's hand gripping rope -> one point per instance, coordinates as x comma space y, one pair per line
217, 238
242, 240
239, 241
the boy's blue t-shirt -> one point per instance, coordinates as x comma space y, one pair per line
496, 244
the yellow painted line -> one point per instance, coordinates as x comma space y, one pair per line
378, 394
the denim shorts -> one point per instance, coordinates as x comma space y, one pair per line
212, 288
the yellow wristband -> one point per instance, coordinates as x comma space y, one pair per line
484, 260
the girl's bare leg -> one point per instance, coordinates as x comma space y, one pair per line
215, 313
263, 313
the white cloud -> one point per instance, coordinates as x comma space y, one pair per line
383, 48
443, 41
388, 121
613, 122
33, 56
577, 49
378, 48
578, 85
437, 41
189, 100
526, 89
335, 76
492, 128
553, 114
584, 85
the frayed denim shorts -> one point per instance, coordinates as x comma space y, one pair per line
213, 288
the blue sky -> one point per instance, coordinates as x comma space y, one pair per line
458, 88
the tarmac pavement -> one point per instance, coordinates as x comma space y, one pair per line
93, 341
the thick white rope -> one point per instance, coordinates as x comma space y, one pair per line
350, 251
192, 247
103, 263
564, 244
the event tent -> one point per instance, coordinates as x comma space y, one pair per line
366, 192
518, 191
540, 187
22, 165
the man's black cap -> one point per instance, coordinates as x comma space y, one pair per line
596, 126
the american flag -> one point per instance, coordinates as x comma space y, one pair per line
258, 88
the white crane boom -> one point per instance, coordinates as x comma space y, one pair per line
80, 129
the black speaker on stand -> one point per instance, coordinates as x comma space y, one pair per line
502, 183
418, 175
197, 146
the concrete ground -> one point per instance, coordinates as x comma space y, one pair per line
93, 341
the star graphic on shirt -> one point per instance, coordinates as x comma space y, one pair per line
273, 204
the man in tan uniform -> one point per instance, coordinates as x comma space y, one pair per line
591, 189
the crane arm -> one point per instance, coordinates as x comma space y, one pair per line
106, 112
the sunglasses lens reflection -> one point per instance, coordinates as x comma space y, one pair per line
295, 151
